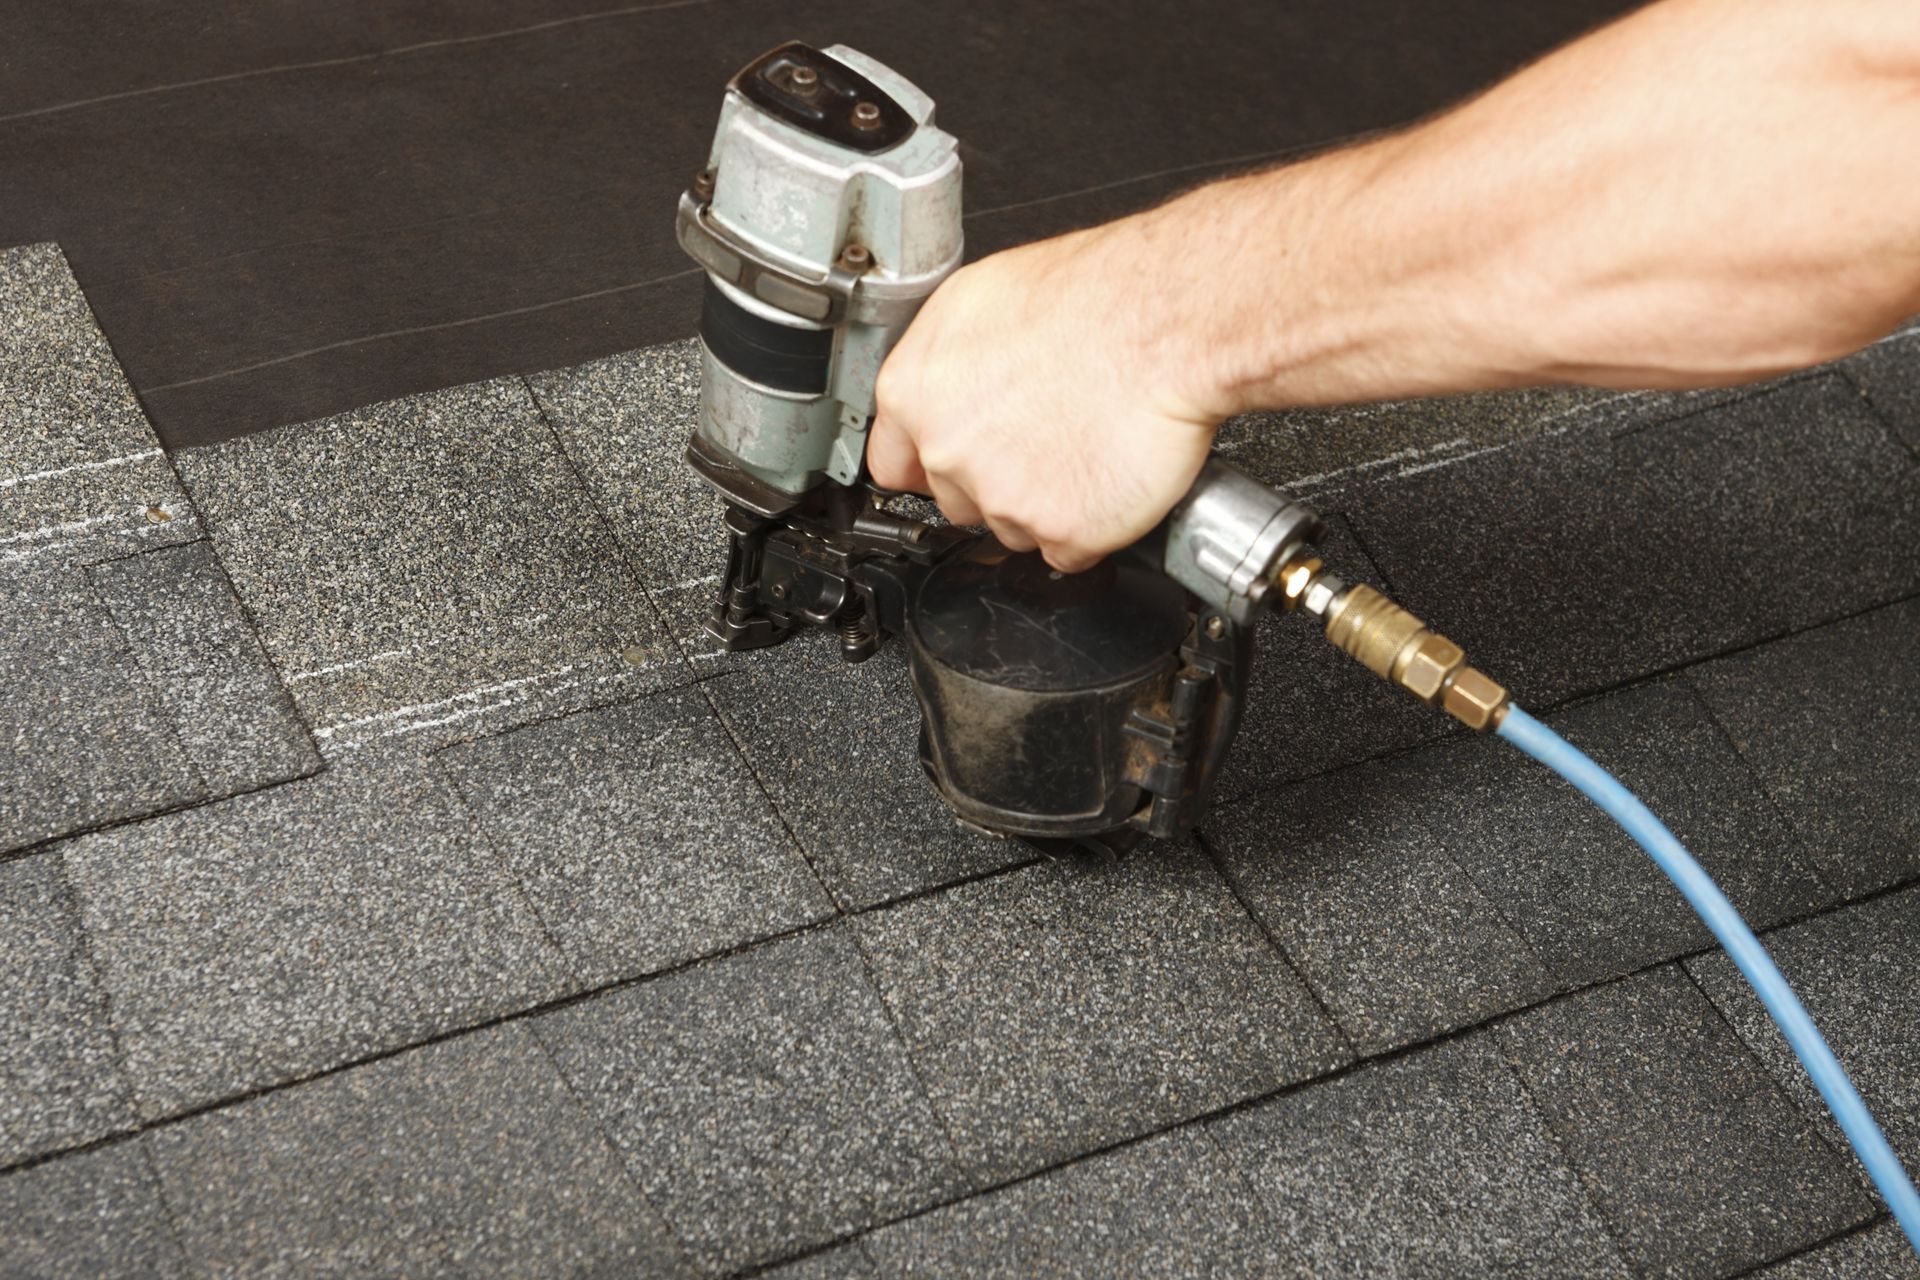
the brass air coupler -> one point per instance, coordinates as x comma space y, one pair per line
1394, 644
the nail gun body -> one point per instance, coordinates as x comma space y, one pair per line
1093, 707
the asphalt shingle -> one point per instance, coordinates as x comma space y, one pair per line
82, 740
1434, 1164
638, 834
1169, 1206
1830, 722
625, 421
1878, 1253
1639, 540
762, 1100
82, 474
468, 1157
87, 1216
206, 667
837, 746
1390, 932
1587, 899
1700, 1164
1857, 970
1059, 1008
60, 1080
428, 568
257, 940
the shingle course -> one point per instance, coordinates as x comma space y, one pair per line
638, 834
1058, 1008
468, 1157
251, 942
1698, 1162
762, 1100
60, 1079
428, 569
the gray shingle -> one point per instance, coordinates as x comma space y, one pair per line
1169, 1206
1830, 721
257, 940
1394, 937
82, 474
428, 568
625, 421
89, 1216
761, 1100
837, 747
206, 667
1700, 1164
1057, 1009
1434, 1164
1888, 374
60, 1080
1311, 708
1590, 902
638, 834
1857, 970
82, 741
1878, 1253
1572, 563
468, 1157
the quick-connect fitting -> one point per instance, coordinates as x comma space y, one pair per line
1395, 645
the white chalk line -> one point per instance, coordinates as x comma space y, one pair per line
100, 465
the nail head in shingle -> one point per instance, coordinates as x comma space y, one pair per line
159, 515
637, 655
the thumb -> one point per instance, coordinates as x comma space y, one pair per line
893, 460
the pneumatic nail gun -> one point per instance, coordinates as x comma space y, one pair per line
1091, 708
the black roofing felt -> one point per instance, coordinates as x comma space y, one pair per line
284, 214
396, 883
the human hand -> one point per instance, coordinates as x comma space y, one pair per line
1035, 394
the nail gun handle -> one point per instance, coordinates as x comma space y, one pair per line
1229, 536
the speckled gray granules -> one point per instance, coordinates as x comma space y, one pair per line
1430, 1165
625, 421
96, 1213
82, 475
253, 941
82, 738
1700, 1165
469, 1157
1389, 931
60, 1078
1576, 562
428, 569
638, 834
1827, 720
762, 1100
206, 667
1878, 1253
1169, 1206
1058, 1008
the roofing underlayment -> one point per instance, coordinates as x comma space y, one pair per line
396, 880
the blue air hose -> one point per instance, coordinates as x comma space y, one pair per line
1599, 786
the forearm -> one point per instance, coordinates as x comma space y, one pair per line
1705, 192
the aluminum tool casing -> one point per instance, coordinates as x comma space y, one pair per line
816, 238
